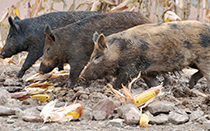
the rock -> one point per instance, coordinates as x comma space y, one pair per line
115, 122
31, 112
158, 107
206, 125
99, 115
132, 118
4, 97
106, 105
10, 121
124, 109
159, 119
177, 118
6, 111
86, 115
196, 114
32, 119
12, 82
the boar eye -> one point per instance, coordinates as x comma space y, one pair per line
48, 49
9, 36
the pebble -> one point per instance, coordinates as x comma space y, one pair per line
106, 105
32, 118
158, 107
10, 121
177, 118
159, 119
124, 109
86, 115
99, 115
115, 122
4, 97
44, 128
132, 118
6, 111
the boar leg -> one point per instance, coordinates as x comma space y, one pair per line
32, 57
194, 79
76, 68
150, 80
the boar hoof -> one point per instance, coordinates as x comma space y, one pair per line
19, 74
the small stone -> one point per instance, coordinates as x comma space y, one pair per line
116, 122
177, 118
196, 114
206, 125
158, 107
106, 105
32, 119
26, 103
124, 109
12, 82
86, 115
6, 111
131, 118
159, 120
78, 88
10, 121
31, 112
4, 97
99, 115
83, 122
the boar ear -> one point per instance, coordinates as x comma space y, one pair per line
13, 25
48, 33
95, 36
101, 42
16, 18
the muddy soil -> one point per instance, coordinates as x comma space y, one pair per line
176, 92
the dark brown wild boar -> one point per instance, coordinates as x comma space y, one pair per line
73, 44
28, 34
151, 49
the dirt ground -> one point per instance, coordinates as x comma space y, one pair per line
176, 92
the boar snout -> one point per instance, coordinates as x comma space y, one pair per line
45, 68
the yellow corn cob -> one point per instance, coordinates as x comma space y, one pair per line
17, 12
167, 20
145, 96
41, 97
74, 114
144, 120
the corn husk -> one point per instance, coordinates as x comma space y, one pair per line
62, 114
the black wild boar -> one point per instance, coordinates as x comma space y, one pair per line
151, 49
28, 34
73, 44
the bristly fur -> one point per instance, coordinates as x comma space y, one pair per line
153, 49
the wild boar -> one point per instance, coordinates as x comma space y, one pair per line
151, 49
28, 34
73, 44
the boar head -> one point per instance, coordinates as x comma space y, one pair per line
14, 39
51, 52
103, 60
